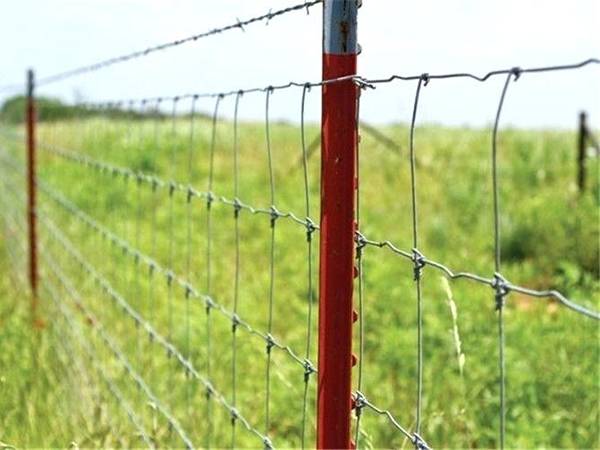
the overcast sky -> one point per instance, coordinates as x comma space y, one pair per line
403, 37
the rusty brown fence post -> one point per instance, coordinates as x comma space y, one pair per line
31, 191
581, 140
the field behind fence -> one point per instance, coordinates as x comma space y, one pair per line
179, 278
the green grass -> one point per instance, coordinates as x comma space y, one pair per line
549, 240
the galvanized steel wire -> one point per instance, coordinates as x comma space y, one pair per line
56, 280
237, 25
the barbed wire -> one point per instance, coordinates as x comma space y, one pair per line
237, 25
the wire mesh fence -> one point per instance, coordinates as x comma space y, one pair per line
171, 243
178, 264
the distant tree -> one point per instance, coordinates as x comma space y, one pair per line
13, 109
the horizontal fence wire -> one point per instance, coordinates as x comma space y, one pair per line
171, 350
492, 282
170, 277
362, 81
125, 298
498, 283
118, 353
361, 240
154, 183
166, 287
9, 200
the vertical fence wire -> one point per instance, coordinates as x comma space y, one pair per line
359, 255
274, 217
126, 219
137, 232
310, 228
236, 281
171, 244
417, 257
189, 250
500, 287
209, 201
156, 126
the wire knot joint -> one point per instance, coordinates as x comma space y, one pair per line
516, 72
235, 415
361, 242
237, 207
235, 322
270, 342
275, 214
500, 285
309, 369
210, 390
420, 443
419, 264
268, 444
310, 229
210, 198
172, 187
154, 183
362, 83
359, 402
208, 303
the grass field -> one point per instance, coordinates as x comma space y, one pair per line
52, 396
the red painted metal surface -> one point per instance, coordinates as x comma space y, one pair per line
31, 190
339, 139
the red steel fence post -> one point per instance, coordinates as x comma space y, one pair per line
339, 137
31, 190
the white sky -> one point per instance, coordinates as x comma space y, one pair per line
405, 37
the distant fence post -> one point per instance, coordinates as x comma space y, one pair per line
31, 190
339, 136
581, 141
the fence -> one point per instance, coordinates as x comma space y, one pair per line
203, 282
584, 138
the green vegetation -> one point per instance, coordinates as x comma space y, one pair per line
549, 240
53, 109
13, 109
